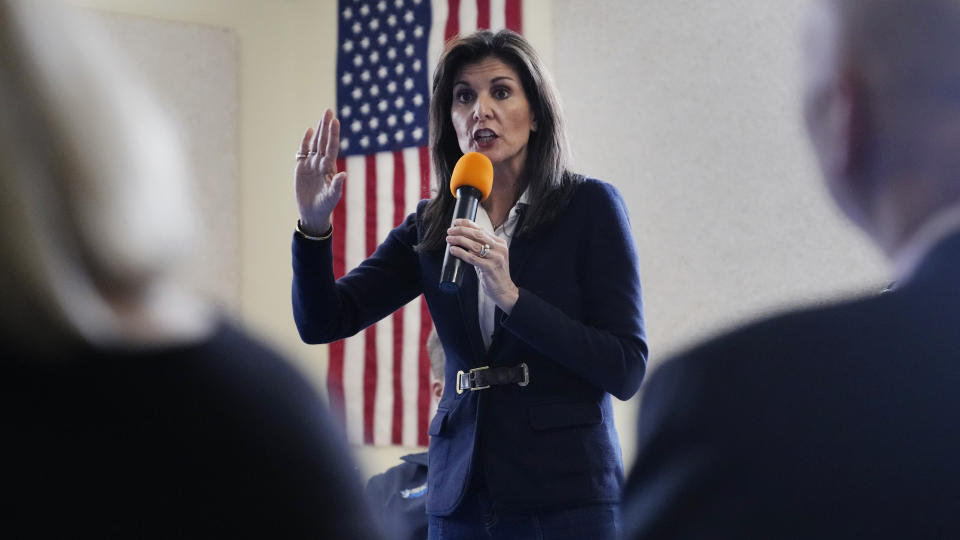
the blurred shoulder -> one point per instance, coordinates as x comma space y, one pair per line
777, 351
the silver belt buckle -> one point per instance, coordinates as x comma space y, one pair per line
461, 374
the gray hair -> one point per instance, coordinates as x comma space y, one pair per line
435, 352
96, 205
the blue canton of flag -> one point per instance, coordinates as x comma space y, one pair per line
382, 89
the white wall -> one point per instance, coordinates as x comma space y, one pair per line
286, 68
692, 109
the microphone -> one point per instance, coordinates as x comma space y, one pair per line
470, 183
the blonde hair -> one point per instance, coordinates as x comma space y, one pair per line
96, 208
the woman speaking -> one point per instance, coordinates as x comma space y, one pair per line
546, 326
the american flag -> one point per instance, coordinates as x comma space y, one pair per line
378, 380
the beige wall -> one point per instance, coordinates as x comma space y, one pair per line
286, 64
692, 109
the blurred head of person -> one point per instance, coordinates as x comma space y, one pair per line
497, 77
437, 361
97, 213
882, 107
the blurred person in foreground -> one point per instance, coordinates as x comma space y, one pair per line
129, 407
837, 422
399, 495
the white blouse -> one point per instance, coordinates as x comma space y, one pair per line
486, 306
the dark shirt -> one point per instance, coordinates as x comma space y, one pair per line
216, 439
398, 497
833, 422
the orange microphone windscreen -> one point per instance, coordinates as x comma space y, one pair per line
475, 170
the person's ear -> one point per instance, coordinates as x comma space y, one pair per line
533, 122
849, 124
437, 388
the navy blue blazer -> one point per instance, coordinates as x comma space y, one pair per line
836, 422
578, 325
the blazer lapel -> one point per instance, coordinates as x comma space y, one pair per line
468, 310
520, 249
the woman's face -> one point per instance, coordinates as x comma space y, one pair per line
491, 114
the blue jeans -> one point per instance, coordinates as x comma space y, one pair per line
476, 519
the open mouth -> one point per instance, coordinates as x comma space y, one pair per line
484, 136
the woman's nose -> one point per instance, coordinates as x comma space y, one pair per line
482, 108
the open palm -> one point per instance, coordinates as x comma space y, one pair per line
318, 184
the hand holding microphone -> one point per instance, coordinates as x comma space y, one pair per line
467, 243
471, 183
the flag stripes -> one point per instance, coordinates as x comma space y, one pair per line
378, 382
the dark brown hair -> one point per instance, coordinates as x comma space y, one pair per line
545, 176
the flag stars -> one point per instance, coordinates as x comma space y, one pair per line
384, 43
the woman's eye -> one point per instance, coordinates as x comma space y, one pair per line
501, 93
464, 96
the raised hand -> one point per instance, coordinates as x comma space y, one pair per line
318, 184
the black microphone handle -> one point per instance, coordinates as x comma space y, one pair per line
451, 273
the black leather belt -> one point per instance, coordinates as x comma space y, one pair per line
486, 376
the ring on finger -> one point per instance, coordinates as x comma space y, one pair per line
483, 251
301, 155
